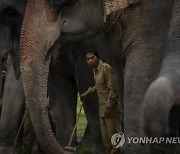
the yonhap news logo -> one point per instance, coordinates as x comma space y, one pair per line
154, 140
118, 140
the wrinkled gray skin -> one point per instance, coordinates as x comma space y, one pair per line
10, 118
140, 35
37, 103
11, 17
63, 96
11, 114
12, 110
167, 85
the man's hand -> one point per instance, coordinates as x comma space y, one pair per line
84, 95
107, 111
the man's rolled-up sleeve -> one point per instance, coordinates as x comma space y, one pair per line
91, 89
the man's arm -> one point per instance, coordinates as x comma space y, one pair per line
89, 91
112, 96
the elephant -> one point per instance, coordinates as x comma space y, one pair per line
166, 85
13, 101
138, 34
47, 135
12, 13
12, 109
10, 121
11, 17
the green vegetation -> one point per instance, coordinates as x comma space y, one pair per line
84, 150
80, 130
82, 121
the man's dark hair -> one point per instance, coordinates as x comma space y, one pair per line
92, 50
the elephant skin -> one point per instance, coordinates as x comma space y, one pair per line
10, 34
138, 37
12, 110
11, 17
163, 95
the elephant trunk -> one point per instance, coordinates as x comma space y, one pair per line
39, 31
164, 92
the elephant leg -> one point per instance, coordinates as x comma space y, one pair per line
139, 73
62, 91
92, 136
12, 109
162, 97
64, 110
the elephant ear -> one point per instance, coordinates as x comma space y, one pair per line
114, 5
15, 58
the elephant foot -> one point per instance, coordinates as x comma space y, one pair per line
99, 149
87, 140
86, 144
90, 145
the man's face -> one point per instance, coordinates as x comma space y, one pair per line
92, 60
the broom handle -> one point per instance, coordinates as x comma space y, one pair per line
72, 134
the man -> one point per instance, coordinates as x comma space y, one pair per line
109, 109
